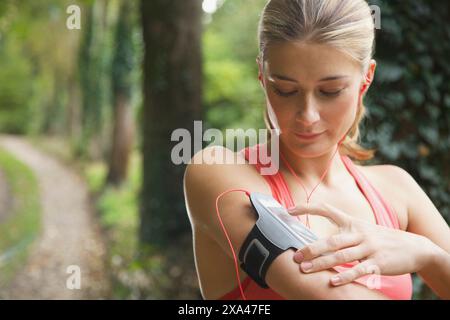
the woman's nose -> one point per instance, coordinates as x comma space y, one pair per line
308, 113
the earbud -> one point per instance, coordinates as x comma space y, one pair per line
366, 84
363, 88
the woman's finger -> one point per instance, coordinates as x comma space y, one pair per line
335, 215
359, 270
331, 244
329, 261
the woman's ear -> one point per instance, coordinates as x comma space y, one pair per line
260, 73
369, 76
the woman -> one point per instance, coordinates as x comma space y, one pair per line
315, 67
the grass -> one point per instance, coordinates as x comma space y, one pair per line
23, 224
118, 213
117, 206
159, 275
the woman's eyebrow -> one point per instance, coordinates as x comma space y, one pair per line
281, 77
330, 78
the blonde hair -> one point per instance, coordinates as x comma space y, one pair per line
344, 24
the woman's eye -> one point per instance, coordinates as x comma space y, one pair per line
284, 94
331, 93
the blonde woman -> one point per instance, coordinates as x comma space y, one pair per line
376, 223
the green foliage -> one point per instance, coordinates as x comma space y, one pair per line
409, 109
23, 224
38, 62
58, 81
409, 122
124, 60
136, 275
95, 58
233, 96
15, 87
119, 217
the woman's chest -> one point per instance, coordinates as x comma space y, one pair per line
367, 202
349, 200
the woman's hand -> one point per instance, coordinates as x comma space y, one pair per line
379, 249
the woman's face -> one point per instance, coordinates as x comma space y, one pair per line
313, 89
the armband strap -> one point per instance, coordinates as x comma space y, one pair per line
270, 237
257, 255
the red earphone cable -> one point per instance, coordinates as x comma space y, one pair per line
228, 238
320, 181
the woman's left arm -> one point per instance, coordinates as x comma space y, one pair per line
424, 219
436, 273
424, 248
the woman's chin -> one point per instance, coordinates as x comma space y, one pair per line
309, 149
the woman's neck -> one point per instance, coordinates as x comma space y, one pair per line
310, 170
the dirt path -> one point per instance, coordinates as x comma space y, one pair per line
69, 237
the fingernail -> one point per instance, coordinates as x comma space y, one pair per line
336, 280
290, 209
306, 266
298, 257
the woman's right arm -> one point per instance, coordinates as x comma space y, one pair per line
204, 182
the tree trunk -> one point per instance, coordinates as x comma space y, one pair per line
94, 64
73, 120
172, 99
122, 142
122, 69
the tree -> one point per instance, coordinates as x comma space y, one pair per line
94, 76
172, 99
122, 71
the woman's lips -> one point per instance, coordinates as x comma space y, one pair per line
308, 136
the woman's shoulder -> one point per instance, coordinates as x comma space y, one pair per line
216, 169
394, 184
219, 155
389, 175
219, 161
